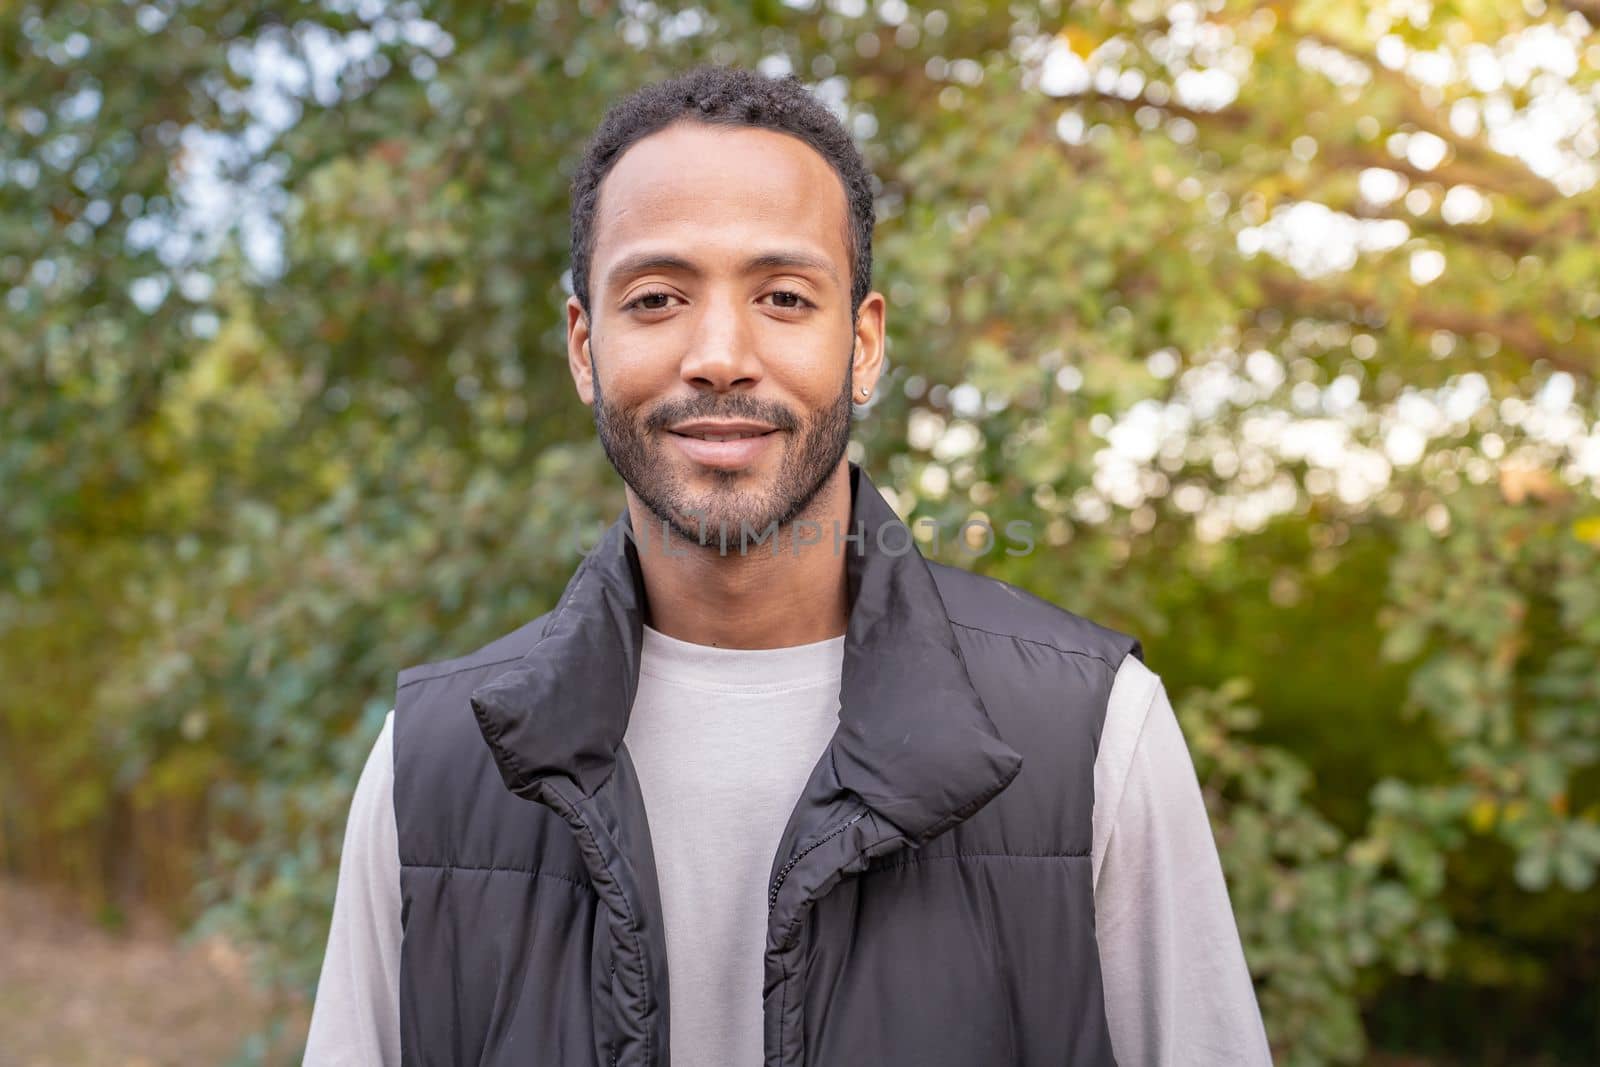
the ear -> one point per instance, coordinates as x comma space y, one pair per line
866, 361
579, 360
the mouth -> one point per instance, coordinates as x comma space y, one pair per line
723, 436
720, 429
722, 446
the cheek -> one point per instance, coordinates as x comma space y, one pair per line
822, 392
812, 378
630, 377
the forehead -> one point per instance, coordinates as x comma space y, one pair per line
696, 189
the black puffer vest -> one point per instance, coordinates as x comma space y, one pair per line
930, 903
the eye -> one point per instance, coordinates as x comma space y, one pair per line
800, 301
638, 301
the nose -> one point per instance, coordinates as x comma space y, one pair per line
721, 355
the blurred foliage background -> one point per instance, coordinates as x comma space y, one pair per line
1279, 322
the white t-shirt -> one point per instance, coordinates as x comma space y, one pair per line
723, 741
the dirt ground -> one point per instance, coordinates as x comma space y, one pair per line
73, 994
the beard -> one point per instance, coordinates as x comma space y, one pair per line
812, 445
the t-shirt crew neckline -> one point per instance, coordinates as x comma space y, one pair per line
746, 670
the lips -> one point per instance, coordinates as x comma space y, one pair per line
720, 428
724, 446
723, 437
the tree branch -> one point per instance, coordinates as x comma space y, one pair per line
1300, 297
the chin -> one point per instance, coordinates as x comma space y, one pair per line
719, 512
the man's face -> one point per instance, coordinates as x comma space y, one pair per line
720, 283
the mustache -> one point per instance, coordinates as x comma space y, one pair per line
672, 412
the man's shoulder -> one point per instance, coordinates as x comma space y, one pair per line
447, 786
993, 606
502, 651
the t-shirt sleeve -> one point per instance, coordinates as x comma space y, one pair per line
355, 1019
1177, 988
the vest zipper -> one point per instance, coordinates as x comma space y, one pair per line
772, 897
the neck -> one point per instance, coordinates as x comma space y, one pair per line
758, 597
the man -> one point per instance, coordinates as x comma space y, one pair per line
766, 786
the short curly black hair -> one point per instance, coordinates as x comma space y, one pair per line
724, 96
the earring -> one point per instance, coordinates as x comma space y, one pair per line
865, 392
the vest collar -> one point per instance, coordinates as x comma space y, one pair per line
914, 742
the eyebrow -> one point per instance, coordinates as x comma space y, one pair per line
644, 262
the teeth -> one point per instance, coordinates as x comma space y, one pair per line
725, 436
